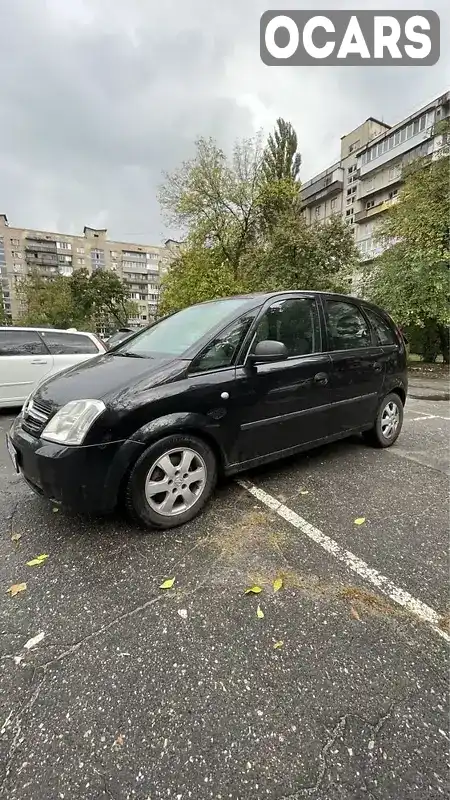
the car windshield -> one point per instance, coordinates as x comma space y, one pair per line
177, 333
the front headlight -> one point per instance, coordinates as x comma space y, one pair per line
72, 422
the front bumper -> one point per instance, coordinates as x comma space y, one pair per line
87, 479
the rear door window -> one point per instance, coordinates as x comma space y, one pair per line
21, 343
347, 327
73, 344
383, 331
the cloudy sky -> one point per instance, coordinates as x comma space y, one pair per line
97, 97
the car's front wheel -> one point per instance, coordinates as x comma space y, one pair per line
171, 481
388, 423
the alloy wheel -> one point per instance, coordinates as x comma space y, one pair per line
175, 481
390, 419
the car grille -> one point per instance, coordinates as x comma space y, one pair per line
36, 416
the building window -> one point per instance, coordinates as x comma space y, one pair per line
16, 254
370, 204
392, 194
348, 212
80, 249
318, 210
114, 254
64, 245
333, 204
81, 260
14, 242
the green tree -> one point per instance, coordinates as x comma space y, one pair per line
101, 299
3, 317
196, 275
297, 256
48, 302
81, 301
411, 278
244, 229
215, 200
281, 159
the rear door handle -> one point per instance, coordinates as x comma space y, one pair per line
321, 378
39, 361
377, 367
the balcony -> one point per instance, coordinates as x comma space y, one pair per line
40, 246
366, 192
42, 260
328, 186
367, 213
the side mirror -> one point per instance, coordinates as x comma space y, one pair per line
268, 351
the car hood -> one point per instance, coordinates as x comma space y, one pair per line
112, 378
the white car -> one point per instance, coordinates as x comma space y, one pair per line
30, 355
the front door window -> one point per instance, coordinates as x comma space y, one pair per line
295, 323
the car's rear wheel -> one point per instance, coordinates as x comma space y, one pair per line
388, 423
171, 481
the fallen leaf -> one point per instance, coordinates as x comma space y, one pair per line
253, 590
119, 741
277, 584
168, 583
34, 641
15, 537
277, 645
18, 659
183, 613
55, 510
36, 562
360, 521
260, 613
305, 491
16, 588
354, 614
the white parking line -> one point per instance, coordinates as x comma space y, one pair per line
422, 611
425, 416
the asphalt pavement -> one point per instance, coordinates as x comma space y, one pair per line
138, 693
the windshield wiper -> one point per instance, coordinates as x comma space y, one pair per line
127, 354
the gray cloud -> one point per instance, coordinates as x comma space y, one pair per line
97, 98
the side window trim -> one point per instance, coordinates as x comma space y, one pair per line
353, 304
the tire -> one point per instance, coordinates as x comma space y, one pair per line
381, 435
180, 498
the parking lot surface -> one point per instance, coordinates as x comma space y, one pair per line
338, 692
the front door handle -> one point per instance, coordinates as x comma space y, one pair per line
377, 367
321, 378
39, 361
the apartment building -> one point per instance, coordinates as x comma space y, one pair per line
366, 180
139, 266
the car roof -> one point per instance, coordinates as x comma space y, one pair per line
42, 328
288, 292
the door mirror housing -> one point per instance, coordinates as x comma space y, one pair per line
268, 351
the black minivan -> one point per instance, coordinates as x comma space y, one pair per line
218, 387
